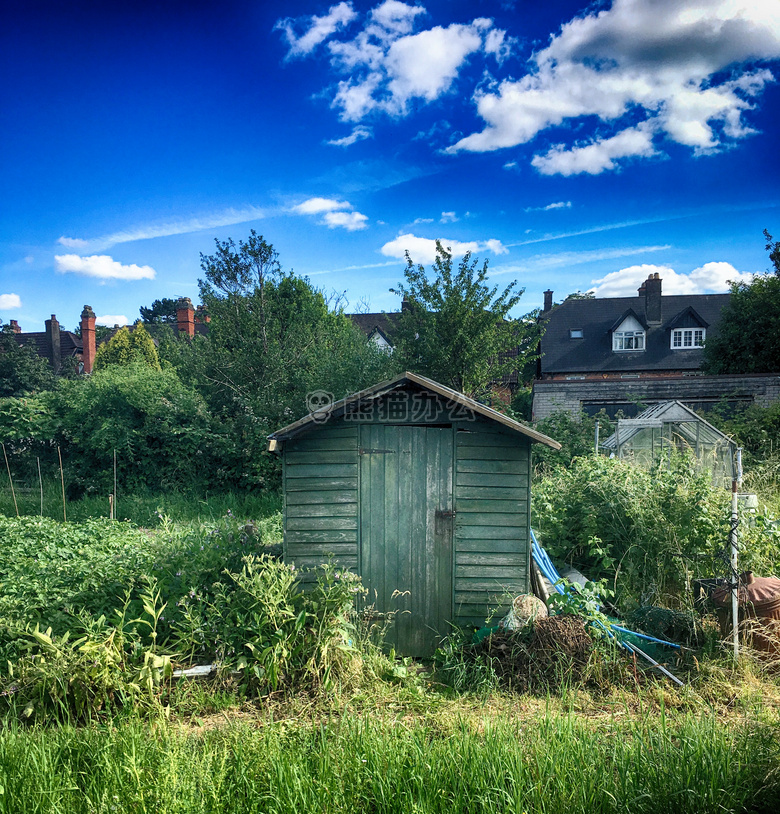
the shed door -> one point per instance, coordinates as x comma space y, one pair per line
406, 530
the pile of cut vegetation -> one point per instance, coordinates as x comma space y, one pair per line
548, 654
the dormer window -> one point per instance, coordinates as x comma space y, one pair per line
688, 338
575, 333
629, 335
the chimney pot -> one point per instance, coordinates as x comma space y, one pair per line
14, 326
88, 341
185, 317
652, 293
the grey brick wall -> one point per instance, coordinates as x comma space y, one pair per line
554, 395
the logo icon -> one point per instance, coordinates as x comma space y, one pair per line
319, 404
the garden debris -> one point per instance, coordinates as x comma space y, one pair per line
551, 652
525, 608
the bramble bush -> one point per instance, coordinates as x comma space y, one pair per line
648, 533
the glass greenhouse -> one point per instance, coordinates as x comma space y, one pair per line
670, 427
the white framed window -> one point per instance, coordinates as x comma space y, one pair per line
575, 333
629, 335
628, 340
688, 338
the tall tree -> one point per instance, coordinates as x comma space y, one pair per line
456, 328
748, 337
21, 369
272, 339
161, 312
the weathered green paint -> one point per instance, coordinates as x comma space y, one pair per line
368, 492
405, 541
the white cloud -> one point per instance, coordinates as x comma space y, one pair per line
335, 214
541, 262
423, 249
358, 134
448, 217
597, 156
687, 66
711, 278
417, 221
10, 301
387, 65
550, 207
110, 320
213, 220
73, 242
315, 206
318, 29
351, 221
102, 266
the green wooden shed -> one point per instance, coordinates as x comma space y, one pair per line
422, 491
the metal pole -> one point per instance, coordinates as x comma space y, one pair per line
596, 450
734, 573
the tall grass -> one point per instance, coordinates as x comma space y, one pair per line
545, 765
139, 507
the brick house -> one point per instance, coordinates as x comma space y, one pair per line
61, 347
615, 353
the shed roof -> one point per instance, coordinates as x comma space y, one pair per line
338, 408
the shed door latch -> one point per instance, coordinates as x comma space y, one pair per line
444, 514
368, 451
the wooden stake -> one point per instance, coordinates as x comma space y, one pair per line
10, 480
111, 507
113, 498
40, 481
62, 481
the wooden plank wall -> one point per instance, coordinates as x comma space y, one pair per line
492, 495
321, 496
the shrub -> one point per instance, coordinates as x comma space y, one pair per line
646, 531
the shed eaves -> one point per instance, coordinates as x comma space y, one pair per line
339, 408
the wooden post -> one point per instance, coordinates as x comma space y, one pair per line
40, 483
10, 480
113, 497
734, 573
111, 507
62, 481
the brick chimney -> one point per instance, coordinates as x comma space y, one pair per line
202, 315
14, 326
88, 338
652, 292
53, 343
548, 301
185, 316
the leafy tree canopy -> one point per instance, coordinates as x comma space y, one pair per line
125, 347
748, 337
161, 312
21, 369
456, 329
272, 339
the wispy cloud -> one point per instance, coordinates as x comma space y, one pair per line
102, 266
198, 223
540, 262
316, 29
8, 301
358, 133
550, 207
423, 249
448, 217
335, 214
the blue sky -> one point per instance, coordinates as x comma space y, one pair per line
573, 146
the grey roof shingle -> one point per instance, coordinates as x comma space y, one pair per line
596, 317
